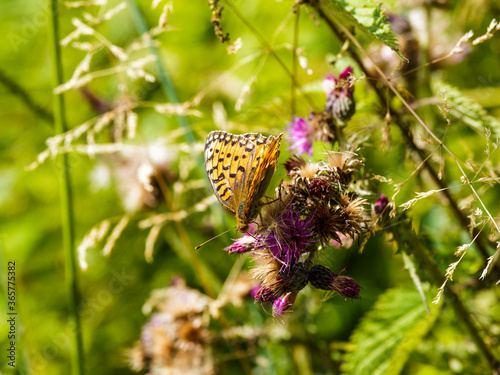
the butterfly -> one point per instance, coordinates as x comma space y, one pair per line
240, 168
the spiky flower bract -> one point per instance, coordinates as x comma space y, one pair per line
322, 278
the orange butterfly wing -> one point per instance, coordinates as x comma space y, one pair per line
239, 168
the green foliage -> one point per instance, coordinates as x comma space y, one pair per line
465, 108
367, 16
387, 335
387, 330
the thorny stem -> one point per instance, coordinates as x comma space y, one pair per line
16, 89
404, 128
77, 360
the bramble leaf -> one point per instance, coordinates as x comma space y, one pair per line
369, 17
388, 334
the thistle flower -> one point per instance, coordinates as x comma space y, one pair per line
319, 188
301, 136
381, 203
274, 280
322, 278
289, 237
339, 95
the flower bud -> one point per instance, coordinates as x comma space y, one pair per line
322, 278
283, 303
381, 203
241, 245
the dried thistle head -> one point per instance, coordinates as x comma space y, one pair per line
293, 164
327, 223
176, 338
353, 212
342, 165
271, 213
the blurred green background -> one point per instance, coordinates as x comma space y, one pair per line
195, 61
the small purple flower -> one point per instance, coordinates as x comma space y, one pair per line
283, 303
322, 278
300, 136
243, 244
289, 238
381, 203
339, 95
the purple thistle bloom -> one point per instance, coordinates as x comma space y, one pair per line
300, 136
339, 95
288, 240
322, 278
381, 203
283, 303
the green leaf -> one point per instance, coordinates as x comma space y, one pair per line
367, 16
388, 334
465, 108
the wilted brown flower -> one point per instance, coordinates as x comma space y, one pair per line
175, 339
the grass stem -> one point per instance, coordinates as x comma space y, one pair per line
67, 215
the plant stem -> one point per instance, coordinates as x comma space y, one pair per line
77, 360
483, 249
294, 61
19, 91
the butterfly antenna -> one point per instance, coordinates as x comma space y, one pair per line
213, 238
